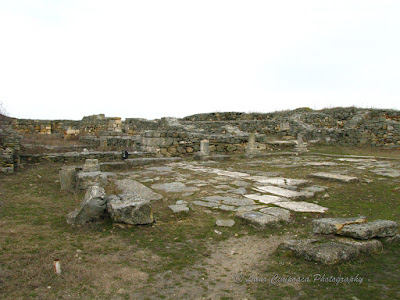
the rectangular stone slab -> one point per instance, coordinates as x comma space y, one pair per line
332, 176
257, 219
334, 225
285, 192
301, 206
365, 231
279, 180
266, 199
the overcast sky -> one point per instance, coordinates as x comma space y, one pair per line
152, 59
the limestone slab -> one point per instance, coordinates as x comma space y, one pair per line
225, 222
334, 225
257, 219
333, 176
285, 192
281, 213
266, 199
174, 187
130, 186
177, 208
302, 206
364, 231
279, 180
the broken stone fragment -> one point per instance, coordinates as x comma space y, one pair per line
86, 179
177, 208
225, 222
257, 219
365, 231
281, 213
334, 225
332, 176
327, 253
129, 209
92, 207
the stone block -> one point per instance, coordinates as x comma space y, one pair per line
334, 225
92, 207
91, 165
327, 253
129, 209
258, 219
378, 228
67, 178
86, 179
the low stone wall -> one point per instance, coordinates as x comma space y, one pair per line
10, 145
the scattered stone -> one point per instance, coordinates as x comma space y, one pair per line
174, 187
284, 192
240, 183
315, 188
257, 219
301, 206
218, 232
327, 253
206, 204
225, 223
181, 202
266, 199
130, 186
281, 181
227, 207
92, 207
334, 225
179, 208
240, 191
281, 213
332, 176
129, 209
378, 228
387, 172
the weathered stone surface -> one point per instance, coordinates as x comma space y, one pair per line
205, 203
257, 219
332, 176
129, 209
327, 253
334, 225
86, 179
266, 199
141, 191
67, 178
369, 246
227, 207
378, 228
225, 222
174, 187
281, 213
281, 181
390, 239
91, 165
92, 207
301, 206
177, 208
285, 192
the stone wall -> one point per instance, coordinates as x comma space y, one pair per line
10, 144
228, 131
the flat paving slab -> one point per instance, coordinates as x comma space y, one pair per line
285, 192
302, 206
266, 199
333, 176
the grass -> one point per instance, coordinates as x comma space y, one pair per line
102, 260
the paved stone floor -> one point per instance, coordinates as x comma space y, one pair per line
240, 186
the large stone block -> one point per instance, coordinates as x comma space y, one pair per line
92, 207
327, 253
91, 165
87, 179
334, 225
68, 178
129, 209
378, 228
